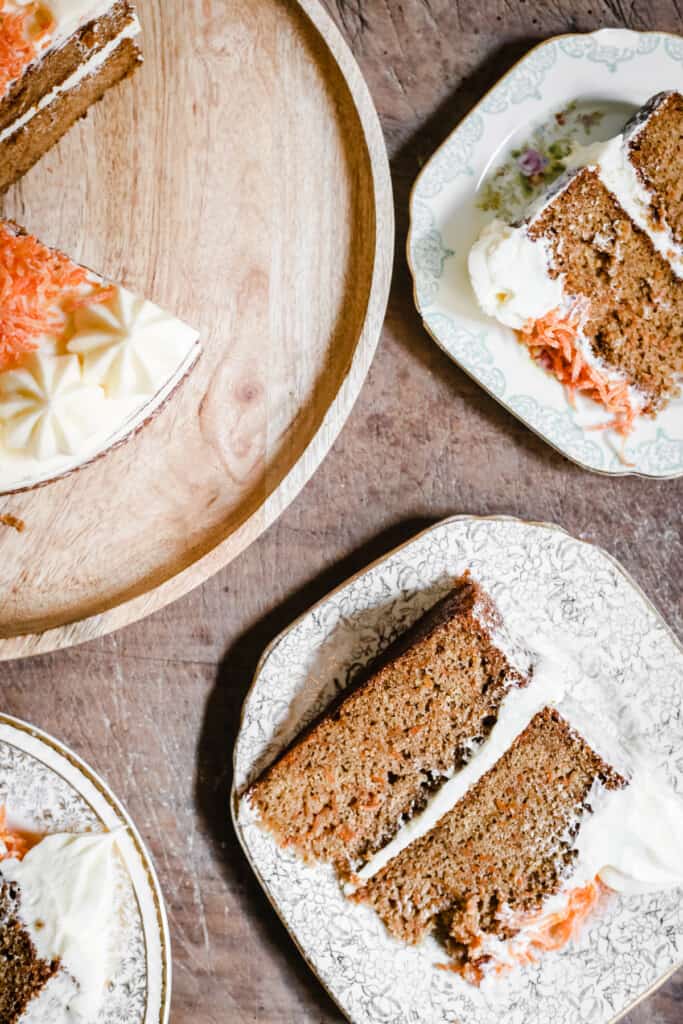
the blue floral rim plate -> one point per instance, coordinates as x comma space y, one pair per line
506, 151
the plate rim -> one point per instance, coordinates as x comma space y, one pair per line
236, 797
617, 472
124, 613
60, 748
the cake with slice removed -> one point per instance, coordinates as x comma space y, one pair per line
370, 762
57, 57
592, 280
58, 919
84, 363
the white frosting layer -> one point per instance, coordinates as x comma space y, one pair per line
633, 840
67, 885
81, 393
619, 175
509, 274
85, 70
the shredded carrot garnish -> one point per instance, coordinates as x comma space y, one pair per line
20, 34
543, 932
553, 931
552, 342
15, 844
38, 287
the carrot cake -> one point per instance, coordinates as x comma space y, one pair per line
83, 362
591, 281
460, 791
369, 763
57, 57
57, 917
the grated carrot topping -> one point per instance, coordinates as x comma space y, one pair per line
20, 35
38, 286
552, 342
15, 844
555, 930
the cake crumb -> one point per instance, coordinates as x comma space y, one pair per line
13, 522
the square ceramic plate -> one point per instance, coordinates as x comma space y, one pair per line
575, 87
562, 584
47, 788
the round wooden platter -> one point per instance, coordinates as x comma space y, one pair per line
239, 179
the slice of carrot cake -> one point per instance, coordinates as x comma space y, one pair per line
57, 57
57, 916
84, 363
461, 790
370, 762
592, 280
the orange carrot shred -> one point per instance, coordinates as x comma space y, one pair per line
38, 287
15, 844
20, 34
552, 342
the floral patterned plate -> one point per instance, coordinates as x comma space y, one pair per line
571, 88
553, 582
49, 789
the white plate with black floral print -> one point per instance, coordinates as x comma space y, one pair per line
631, 670
49, 789
574, 88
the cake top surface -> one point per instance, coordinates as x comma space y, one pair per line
78, 358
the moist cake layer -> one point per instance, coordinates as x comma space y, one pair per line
343, 789
506, 845
23, 974
85, 49
59, 63
634, 302
24, 147
656, 151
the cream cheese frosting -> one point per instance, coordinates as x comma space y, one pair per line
47, 407
85, 390
509, 274
67, 885
128, 344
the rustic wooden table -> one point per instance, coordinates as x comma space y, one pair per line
155, 707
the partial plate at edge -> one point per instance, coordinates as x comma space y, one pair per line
49, 786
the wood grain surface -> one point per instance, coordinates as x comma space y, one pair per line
155, 706
241, 179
